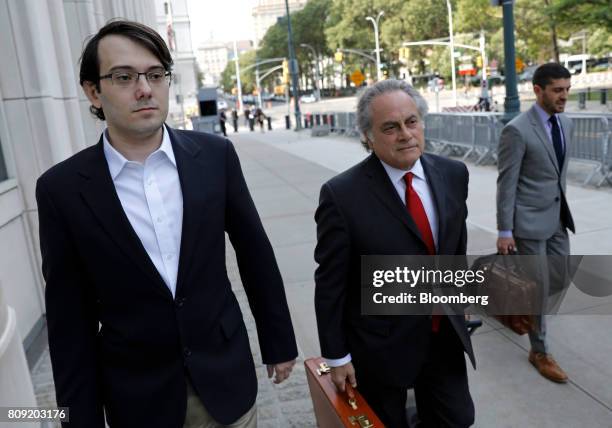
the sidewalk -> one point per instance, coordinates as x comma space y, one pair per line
285, 169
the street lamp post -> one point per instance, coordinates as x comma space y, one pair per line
375, 24
317, 76
512, 104
293, 69
238, 84
452, 49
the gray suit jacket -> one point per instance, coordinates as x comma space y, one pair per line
530, 187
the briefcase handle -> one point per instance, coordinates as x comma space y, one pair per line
350, 396
349, 393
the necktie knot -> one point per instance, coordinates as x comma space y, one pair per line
408, 177
553, 120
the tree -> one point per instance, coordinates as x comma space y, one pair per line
247, 78
583, 13
307, 27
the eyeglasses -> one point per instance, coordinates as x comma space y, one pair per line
127, 78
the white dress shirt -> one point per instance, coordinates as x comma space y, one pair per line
421, 187
152, 199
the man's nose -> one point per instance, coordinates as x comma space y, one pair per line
405, 132
143, 89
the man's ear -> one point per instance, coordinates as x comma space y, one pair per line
91, 92
537, 89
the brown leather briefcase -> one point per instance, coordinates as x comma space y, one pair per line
513, 295
333, 408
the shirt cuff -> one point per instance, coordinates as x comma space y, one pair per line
504, 234
339, 361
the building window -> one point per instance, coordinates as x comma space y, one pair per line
3, 171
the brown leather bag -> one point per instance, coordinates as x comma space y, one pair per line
333, 408
513, 296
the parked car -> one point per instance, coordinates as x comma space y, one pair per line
493, 79
527, 74
308, 98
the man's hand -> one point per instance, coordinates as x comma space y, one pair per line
340, 375
282, 370
506, 246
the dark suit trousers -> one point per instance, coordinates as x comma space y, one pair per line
441, 388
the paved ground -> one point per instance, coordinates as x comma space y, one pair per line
285, 170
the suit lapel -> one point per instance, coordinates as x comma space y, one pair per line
98, 192
197, 177
566, 130
437, 187
539, 130
382, 187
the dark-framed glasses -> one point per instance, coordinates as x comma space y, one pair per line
127, 78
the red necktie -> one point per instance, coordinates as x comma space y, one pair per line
418, 214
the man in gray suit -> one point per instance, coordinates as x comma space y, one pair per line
532, 211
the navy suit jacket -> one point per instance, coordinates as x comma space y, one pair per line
118, 339
360, 213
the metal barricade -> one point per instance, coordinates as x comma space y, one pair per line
606, 171
589, 142
352, 130
451, 130
341, 122
485, 140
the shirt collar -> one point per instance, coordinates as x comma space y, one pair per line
116, 161
543, 114
397, 175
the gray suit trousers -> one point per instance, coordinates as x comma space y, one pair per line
558, 244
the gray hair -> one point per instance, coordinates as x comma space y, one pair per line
364, 114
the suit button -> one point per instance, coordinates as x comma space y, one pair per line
187, 352
180, 302
557, 199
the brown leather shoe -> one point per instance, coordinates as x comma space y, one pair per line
547, 366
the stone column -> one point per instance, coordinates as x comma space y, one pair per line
16, 388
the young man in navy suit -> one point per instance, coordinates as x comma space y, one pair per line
143, 324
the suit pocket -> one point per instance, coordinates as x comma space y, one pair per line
230, 321
373, 325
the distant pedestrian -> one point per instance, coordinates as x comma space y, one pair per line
235, 119
260, 117
247, 115
222, 120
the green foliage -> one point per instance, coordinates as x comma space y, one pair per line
247, 78
600, 42
594, 14
307, 27
331, 24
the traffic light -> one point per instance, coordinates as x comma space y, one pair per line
404, 53
338, 56
479, 61
285, 71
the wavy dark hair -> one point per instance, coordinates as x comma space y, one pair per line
546, 73
135, 31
